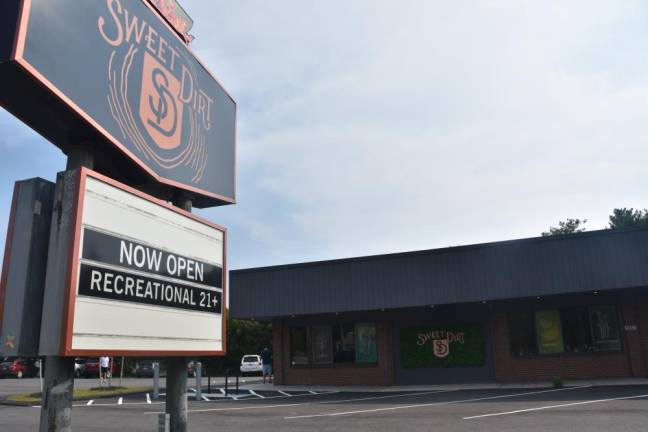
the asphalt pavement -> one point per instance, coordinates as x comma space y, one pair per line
579, 408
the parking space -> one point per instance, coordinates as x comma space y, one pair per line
571, 408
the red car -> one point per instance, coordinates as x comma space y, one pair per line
19, 367
91, 368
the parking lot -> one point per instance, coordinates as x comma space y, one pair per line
591, 408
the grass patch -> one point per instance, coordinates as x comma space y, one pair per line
95, 392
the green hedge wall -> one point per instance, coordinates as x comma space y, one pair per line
469, 353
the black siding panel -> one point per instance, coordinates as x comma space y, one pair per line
8, 22
598, 260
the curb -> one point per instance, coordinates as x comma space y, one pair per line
6, 402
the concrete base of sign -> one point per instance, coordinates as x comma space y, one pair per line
56, 413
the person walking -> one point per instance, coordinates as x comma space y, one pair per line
266, 360
104, 369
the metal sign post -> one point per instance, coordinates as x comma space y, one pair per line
156, 380
176, 380
58, 392
198, 374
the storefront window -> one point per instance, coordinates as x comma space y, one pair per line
576, 329
322, 345
337, 343
344, 343
567, 330
522, 334
366, 351
299, 346
549, 332
605, 328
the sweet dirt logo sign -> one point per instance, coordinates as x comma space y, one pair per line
456, 345
170, 117
441, 341
130, 76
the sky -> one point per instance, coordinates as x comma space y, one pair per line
372, 126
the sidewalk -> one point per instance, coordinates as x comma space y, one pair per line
473, 386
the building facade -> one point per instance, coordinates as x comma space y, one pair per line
571, 307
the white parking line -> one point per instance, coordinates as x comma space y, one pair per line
342, 413
148, 398
310, 403
385, 397
253, 406
120, 401
256, 394
237, 408
112, 405
284, 393
206, 398
554, 406
90, 402
312, 392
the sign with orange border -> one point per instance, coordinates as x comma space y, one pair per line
144, 278
115, 73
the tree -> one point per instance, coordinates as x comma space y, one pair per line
569, 226
628, 217
243, 337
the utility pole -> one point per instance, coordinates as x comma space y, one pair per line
176, 379
56, 410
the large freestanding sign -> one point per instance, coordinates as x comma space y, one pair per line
140, 277
119, 69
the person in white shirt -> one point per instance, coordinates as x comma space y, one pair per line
104, 365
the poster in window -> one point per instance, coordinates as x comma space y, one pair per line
322, 345
299, 346
443, 346
549, 332
366, 351
605, 328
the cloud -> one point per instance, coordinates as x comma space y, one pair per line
376, 126
383, 126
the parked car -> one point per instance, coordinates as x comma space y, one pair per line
191, 369
251, 363
79, 365
144, 368
91, 367
19, 367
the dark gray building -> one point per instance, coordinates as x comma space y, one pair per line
571, 306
